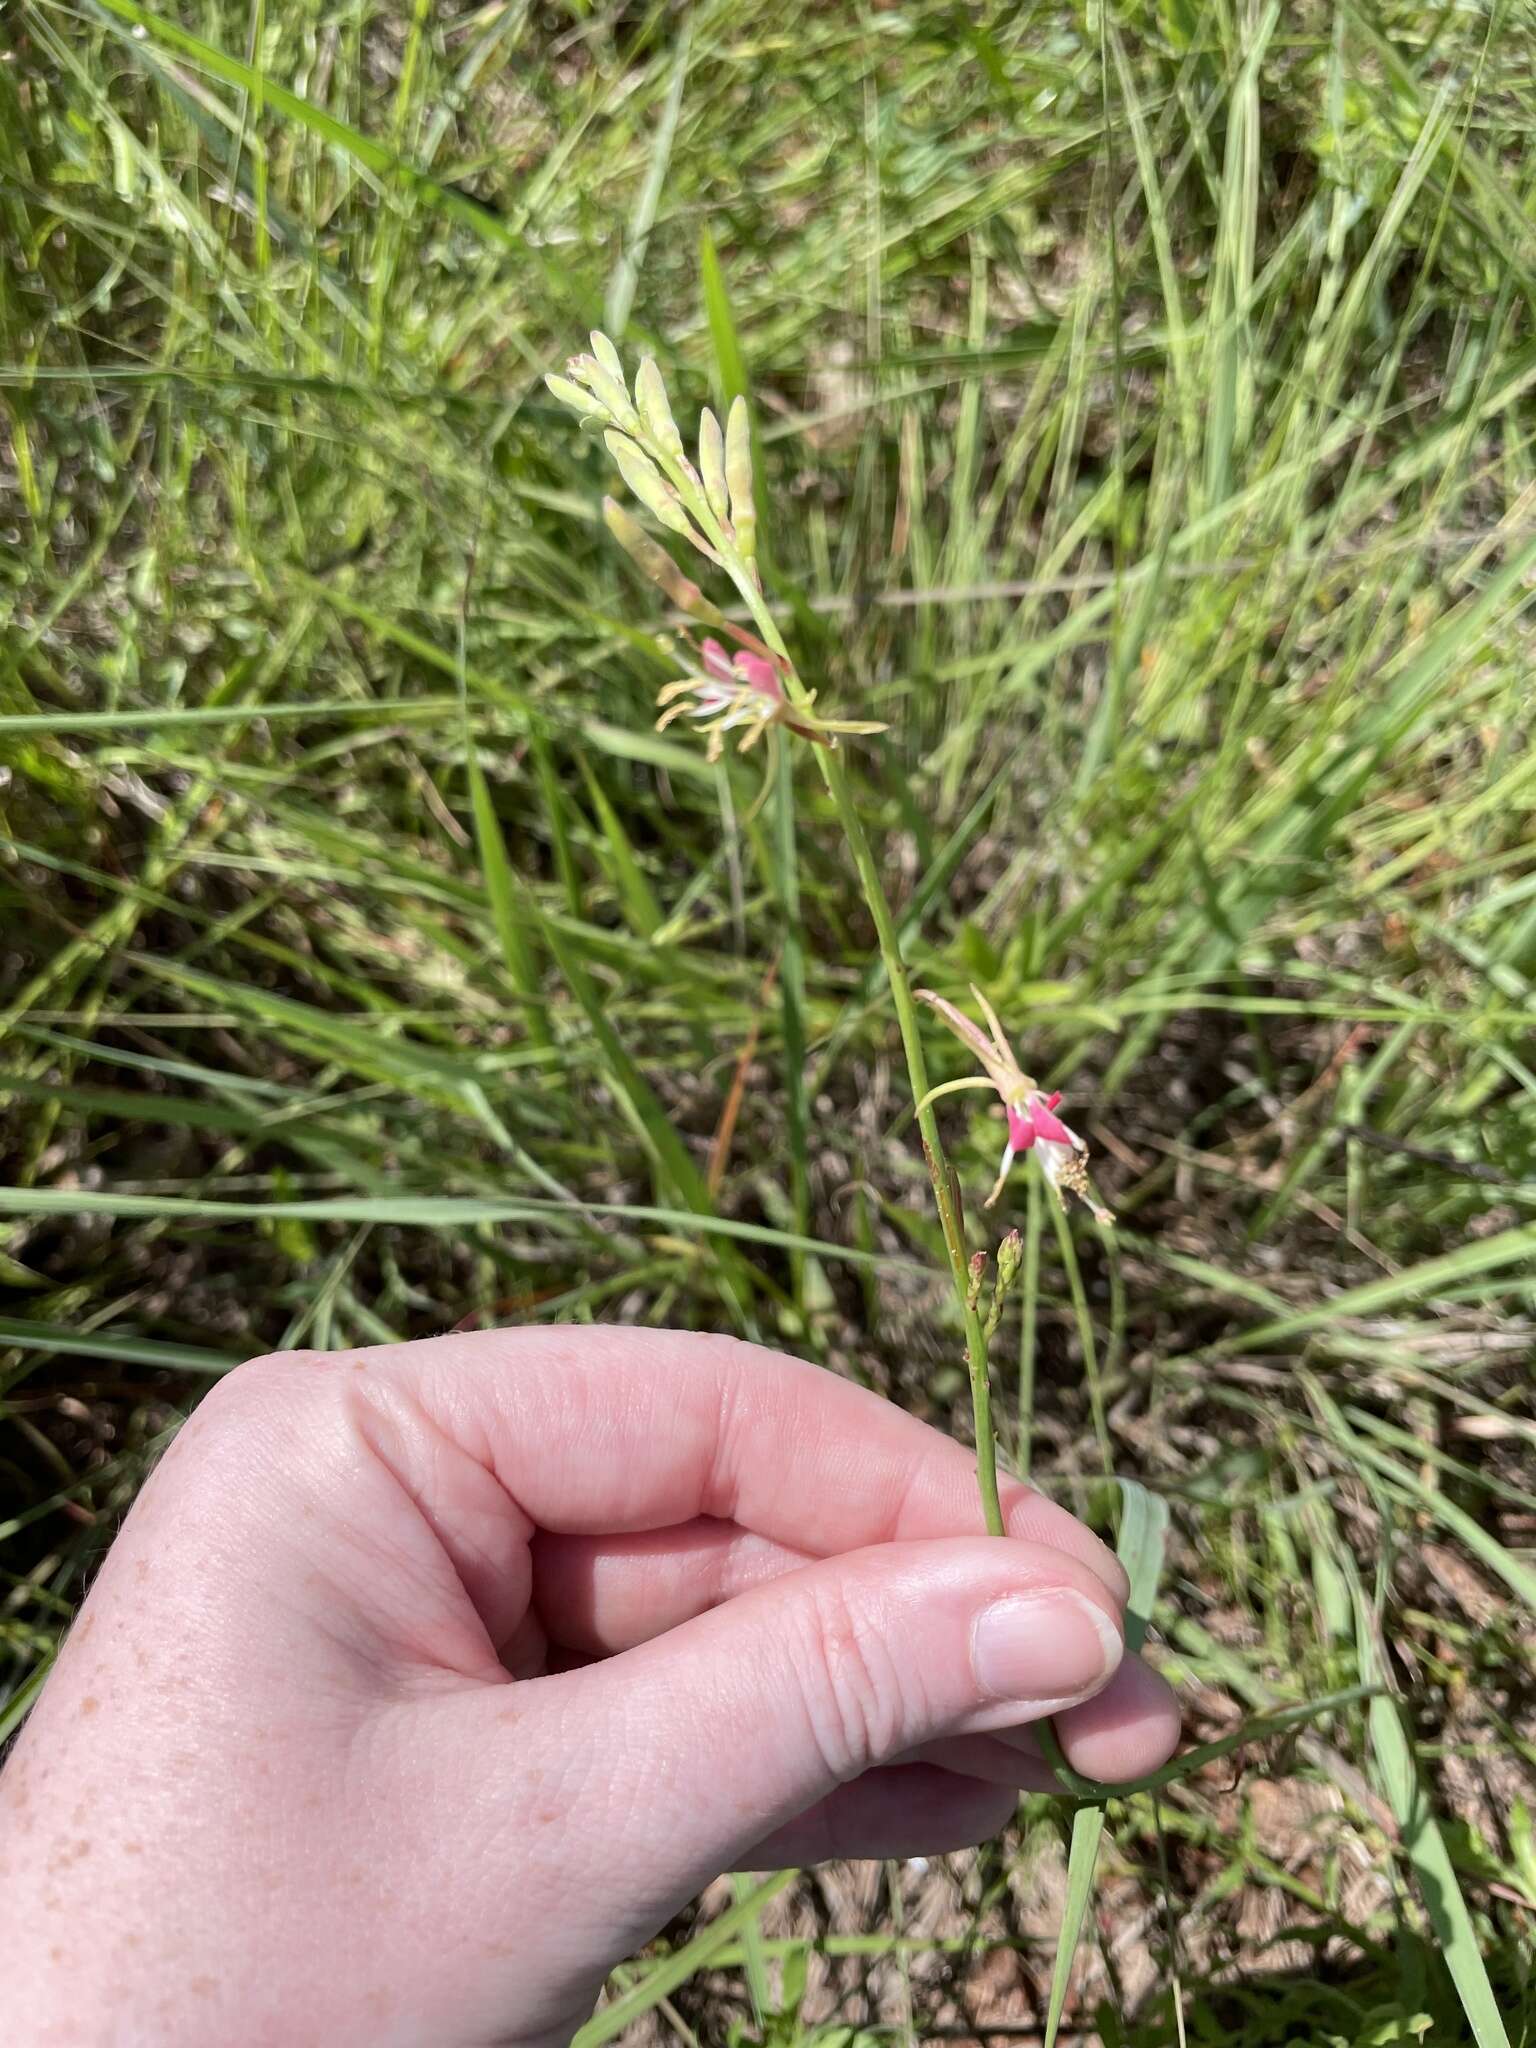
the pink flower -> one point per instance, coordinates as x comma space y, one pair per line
1033, 1125
735, 692
743, 691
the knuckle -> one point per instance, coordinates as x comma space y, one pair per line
260, 1391
273, 1371
852, 1691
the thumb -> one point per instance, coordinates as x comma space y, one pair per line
701, 1743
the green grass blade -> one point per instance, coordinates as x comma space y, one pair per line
634, 891
514, 931
1425, 1847
374, 157
428, 1212
626, 276
1466, 1262
1082, 1861
1142, 1543
730, 364
663, 1978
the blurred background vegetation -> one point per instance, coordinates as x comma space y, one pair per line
1144, 395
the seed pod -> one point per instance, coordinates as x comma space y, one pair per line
652, 560
712, 465
738, 477
654, 408
648, 485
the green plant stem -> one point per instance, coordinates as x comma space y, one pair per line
1259, 1729
1029, 1327
944, 1193
1085, 1337
944, 1190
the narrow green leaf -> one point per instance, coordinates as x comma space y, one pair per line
729, 361
375, 157
662, 1980
124, 1349
1466, 1262
634, 891
1425, 1847
1143, 1540
504, 894
427, 1212
626, 276
1082, 1860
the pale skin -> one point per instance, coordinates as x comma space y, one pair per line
424, 1683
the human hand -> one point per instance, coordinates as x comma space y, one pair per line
423, 1683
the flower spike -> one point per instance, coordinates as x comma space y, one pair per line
1033, 1125
713, 508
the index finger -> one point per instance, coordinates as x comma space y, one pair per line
605, 1430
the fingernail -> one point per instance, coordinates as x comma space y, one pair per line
1048, 1648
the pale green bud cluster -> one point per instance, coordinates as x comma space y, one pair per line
713, 507
1010, 1257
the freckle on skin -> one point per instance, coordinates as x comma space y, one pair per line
89, 1705
205, 1986
133, 1848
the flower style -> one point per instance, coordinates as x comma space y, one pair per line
714, 508
1033, 1124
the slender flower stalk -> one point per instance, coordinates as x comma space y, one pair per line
712, 506
757, 688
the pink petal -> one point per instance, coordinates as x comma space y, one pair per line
1021, 1132
760, 674
717, 662
1051, 1101
1049, 1127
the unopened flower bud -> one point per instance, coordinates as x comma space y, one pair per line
978, 1274
656, 411
608, 356
738, 477
712, 465
608, 389
1010, 1256
584, 402
652, 560
648, 485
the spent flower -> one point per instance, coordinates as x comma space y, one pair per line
1033, 1125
